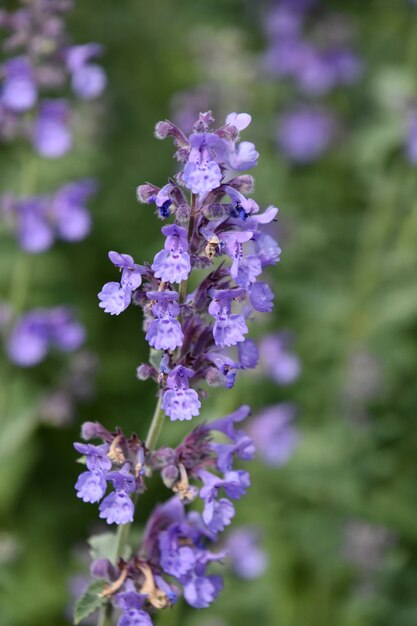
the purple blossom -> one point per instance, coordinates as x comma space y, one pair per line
117, 507
72, 220
242, 447
229, 329
51, 135
39, 330
262, 297
88, 79
179, 401
176, 559
267, 249
19, 91
164, 332
305, 133
248, 354
274, 436
116, 297
173, 263
277, 359
34, 232
248, 559
200, 590
202, 173
91, 486
244, 269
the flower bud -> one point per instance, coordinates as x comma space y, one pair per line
146, 193
170, 475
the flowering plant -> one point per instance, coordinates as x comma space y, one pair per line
196, 336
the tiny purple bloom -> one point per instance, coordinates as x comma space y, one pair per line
180, 402
229, 329
52, 137
91, 486
173, 263
274, 436
165, 332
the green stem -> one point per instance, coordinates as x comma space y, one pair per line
122, 535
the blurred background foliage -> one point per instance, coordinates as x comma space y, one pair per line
338, 522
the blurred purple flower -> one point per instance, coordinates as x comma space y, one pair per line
304, 133
248, 559
274, 436
36, 332
52, 137
277, 359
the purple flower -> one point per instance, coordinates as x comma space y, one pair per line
131, 603
91, 486
117, 508
262, 297
244, 269
176, 559
34, 232
267, 249
114, 297
229, 329
248, 560
234, 484
88, 79
274, 436
218, 514
19, 91
73, 221
165, 332
200, 590
39, 330
248, 354
179, 401
173, 263
305, 133
279, 362
226, 425
242, 447
202, 173
51, 136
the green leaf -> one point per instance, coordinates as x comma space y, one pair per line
90, 601
155, 358
102, 546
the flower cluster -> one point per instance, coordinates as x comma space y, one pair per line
39, 63
317, 57
40, 59
195, 338
221, 231
35, 333
175, 543
39, 220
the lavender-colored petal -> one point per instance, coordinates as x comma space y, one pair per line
90, 486
182, 404
51, 136
117, 508
262, 297
114, 299
201, 591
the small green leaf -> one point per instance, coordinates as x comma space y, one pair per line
90, 601
155, 358
102, 546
